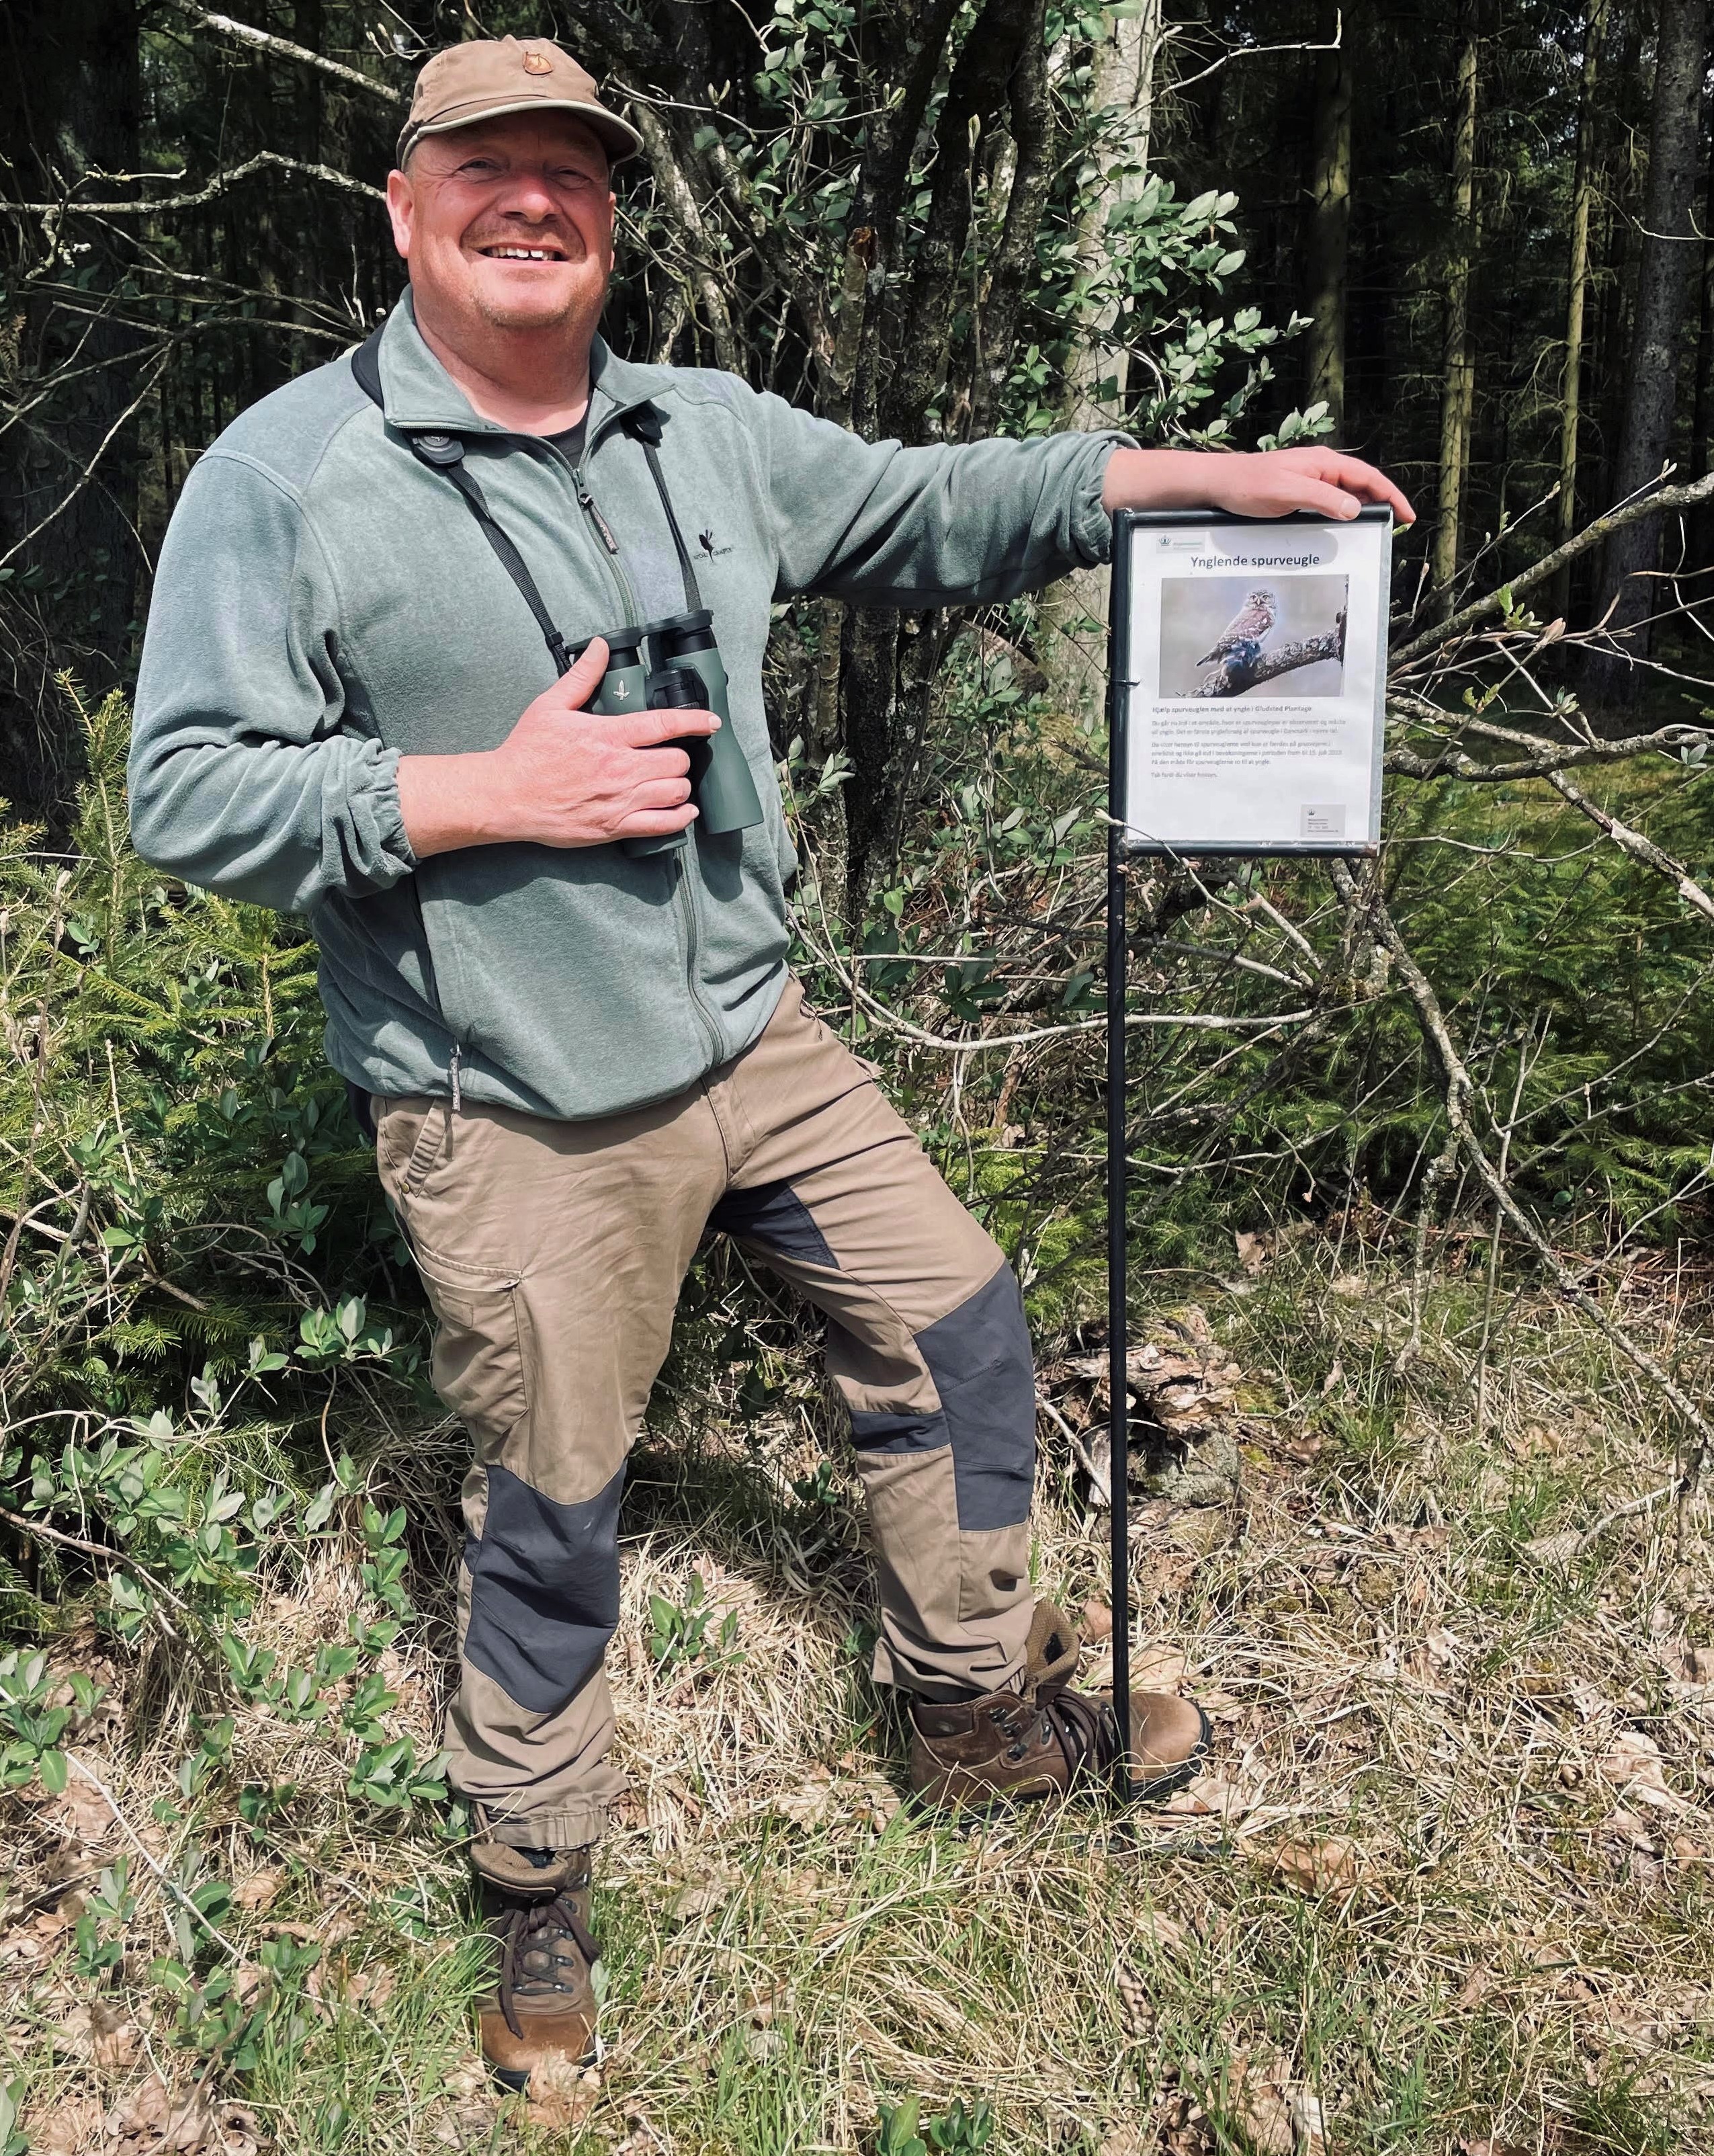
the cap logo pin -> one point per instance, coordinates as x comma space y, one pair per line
538, 64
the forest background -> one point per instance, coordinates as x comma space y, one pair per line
1421, 1149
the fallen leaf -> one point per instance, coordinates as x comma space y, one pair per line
73, 2125
1253, 1251
810, 1803
1309, 2125
155, 2118
560, 2092
1318, 1867
1632, 1764
693, 1901
1334, 1377
101, 2031
1208, 1796
1097, 1621
1348, 1287
1554, 1550
1158, 1669
1136, 2013
1125, 2141
260, 1891
1474, 1988
83, 1815
1160, 1932
1258, 2093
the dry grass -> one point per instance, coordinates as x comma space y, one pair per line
1446, 1883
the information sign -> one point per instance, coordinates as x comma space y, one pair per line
1250, 681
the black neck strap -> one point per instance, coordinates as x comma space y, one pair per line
445, 454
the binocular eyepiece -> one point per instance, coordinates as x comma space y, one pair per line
687, 675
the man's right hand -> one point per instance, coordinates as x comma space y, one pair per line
562, 777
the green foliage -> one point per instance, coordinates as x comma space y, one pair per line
960, 2130
678, 1635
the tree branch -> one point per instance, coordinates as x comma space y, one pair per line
1229, 679
145, 206
1547, 757
1599, 528
264, 41
1636, 846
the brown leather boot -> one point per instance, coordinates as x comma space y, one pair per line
1041, 1741
537, 1904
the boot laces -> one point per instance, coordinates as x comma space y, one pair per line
533, 1958
1084, 1728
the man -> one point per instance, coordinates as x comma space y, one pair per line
581, 1054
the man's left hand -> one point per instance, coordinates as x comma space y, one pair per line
1270, 483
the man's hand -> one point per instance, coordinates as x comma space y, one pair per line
562, 777
1272, 483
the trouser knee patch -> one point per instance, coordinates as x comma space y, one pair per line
544, 1590
979, 1358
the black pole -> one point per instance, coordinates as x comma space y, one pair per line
1118, 1316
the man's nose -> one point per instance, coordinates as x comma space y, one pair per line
529, 196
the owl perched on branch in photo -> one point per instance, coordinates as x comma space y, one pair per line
1239, 643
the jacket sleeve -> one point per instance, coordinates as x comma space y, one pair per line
246, 775
943, 525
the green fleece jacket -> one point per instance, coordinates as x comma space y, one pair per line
325, 603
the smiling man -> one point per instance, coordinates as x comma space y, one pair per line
580, 1053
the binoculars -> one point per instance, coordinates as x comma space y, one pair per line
686, 675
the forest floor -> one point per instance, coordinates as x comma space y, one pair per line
1445, 1886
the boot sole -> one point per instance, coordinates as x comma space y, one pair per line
517, 2078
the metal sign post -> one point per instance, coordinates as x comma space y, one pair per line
1311, 602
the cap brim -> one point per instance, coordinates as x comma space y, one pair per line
617, 136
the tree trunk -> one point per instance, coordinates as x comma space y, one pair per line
1665, 269
1702, 413
1071, 652
1458, 385
70, 105
1576, 291
1329, 239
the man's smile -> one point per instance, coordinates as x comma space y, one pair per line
509, 251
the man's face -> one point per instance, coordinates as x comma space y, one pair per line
507, 224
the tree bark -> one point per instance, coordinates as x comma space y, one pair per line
1582, 198
70, 105
1701, 527
1664, 270
1458, 385
1329, 239
1073, 657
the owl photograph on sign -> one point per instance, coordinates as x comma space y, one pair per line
1235, 636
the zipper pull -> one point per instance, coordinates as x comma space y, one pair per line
586, 502
458, 1098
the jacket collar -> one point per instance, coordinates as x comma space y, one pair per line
419, 395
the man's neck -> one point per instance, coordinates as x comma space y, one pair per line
529, 384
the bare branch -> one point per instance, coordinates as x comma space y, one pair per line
1598, 529
145, 206
264, 41
1545, 756
1232, 676
1636, 846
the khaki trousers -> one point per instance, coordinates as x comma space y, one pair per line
553, 1253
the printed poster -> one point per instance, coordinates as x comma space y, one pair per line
1253, 661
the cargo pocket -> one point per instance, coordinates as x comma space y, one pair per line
479, 1365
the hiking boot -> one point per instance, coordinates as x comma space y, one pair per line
1041, 1741
536, 1905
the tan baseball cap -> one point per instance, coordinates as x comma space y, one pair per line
488, 75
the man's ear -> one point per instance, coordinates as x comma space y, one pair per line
401, 207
